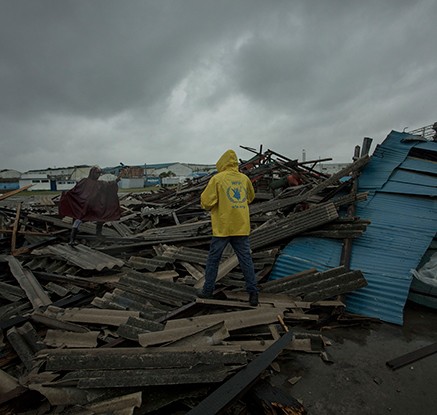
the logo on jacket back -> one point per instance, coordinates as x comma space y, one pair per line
236, 193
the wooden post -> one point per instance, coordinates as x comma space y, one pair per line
15, 228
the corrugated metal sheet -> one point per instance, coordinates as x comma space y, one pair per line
419, 165
307, 252
403, 223
81, 256
407, 178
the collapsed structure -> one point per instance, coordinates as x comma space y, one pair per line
115, 321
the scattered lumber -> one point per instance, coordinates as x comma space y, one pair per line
116, 318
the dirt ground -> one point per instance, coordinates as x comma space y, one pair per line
358, 381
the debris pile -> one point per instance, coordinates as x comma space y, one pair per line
115, 321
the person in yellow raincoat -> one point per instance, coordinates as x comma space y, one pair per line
227, 197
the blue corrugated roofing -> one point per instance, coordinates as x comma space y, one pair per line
419, 165
402, 209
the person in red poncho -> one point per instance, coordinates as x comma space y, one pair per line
91, 200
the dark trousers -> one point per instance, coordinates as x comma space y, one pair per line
242, 250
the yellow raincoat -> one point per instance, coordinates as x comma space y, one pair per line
227, 197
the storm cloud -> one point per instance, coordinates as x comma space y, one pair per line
106, 81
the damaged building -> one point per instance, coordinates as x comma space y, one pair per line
115, 321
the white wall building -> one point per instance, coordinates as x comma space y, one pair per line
330, 168
39, 181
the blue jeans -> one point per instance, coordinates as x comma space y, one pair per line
242, 249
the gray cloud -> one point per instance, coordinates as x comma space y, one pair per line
104, 81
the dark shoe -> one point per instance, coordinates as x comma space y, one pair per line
202, 294
253, 299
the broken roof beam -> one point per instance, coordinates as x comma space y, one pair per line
346, 171
223, 396
282, 203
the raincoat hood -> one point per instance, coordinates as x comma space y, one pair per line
228, 161
227, 197
95, 172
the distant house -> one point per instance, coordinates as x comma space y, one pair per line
39, 181
9, 179
132, 177
178, 169
65, 178
173, 173
330, 168
62, 178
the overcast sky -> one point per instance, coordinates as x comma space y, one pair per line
142, 81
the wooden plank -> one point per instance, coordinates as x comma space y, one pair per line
412, 356
121, 358
238, 384
170, 335
225, 268
266, 299
15, 228
233, 320
14, 192
224, 303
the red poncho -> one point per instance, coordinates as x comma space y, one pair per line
91, 200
